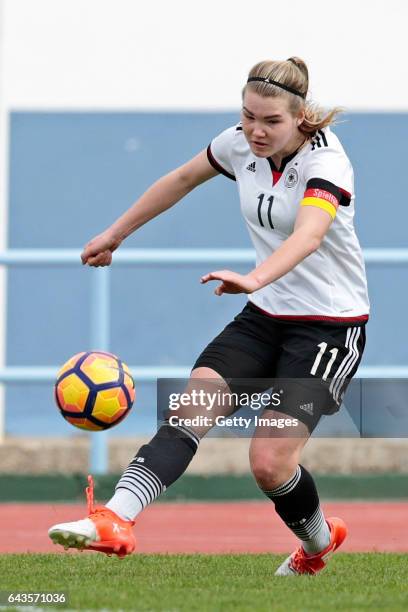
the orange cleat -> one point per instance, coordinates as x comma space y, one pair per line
103, 530
300, 563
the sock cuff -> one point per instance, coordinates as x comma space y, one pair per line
180, 431
287, 486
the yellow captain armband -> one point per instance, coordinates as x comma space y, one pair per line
319, 203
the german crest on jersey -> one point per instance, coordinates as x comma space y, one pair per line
291, 178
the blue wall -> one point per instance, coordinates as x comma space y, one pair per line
72, 174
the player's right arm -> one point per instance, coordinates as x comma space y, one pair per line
163, 194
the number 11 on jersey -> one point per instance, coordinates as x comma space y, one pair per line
261, 198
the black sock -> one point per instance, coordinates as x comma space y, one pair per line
297, 503
159, 463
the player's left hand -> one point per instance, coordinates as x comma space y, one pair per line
232, 282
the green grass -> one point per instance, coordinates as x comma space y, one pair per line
171, 583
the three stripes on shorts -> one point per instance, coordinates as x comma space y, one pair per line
347, 366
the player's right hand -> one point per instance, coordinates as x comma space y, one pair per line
98, 252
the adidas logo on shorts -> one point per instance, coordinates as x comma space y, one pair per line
307, 408
251, 167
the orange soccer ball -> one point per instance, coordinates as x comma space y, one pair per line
94, 390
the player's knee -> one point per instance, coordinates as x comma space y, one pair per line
268, 475
272, 468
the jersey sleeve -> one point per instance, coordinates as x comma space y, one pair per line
329, 179
220, 152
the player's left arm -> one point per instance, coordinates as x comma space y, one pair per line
312, 224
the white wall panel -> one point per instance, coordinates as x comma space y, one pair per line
183, 54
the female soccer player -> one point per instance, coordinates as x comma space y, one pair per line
304, 320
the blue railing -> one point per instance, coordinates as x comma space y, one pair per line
100, 312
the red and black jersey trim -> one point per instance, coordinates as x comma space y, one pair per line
277, 172
341, 195
345, 198
284, 161
218, 166
275, 176
358, 320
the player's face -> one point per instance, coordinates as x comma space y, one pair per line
269, 127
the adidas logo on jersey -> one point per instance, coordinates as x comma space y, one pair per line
251, 167
319, 140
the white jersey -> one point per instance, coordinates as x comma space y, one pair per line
330, 284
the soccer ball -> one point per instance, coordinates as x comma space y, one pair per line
94, 390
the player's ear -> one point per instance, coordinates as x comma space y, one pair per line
300, 117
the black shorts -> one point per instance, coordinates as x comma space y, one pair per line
257, 346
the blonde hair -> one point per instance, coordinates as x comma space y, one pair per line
293, 73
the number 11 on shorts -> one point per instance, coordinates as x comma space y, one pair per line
323, 347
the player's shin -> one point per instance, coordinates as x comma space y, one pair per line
155, 467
